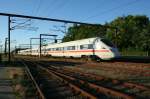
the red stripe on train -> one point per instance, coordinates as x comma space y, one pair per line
79, 51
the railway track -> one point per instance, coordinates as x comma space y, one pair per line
136, 90
93, 85
94, 90
52, 86
39, 94
137, 71
130, 69
131, 89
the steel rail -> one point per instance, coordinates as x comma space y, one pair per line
82, 92
100, 89
98, 77
41, 95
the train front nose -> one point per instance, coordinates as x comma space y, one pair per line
115, 52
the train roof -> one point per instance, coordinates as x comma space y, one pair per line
70, 43
82, 41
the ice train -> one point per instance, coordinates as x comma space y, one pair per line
91, 47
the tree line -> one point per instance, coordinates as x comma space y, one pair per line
133, 32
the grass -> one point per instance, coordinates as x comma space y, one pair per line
133, 53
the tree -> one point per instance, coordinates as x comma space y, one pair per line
77, 32
133, 32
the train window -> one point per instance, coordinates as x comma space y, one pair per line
53, 49
65, 48
71, 48
57, 49
61, 48
107, 42
49, 49
90, 46
86, 46
68, 48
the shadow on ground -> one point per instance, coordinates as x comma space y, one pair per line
62, 63
136, 59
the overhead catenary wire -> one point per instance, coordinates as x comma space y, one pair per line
45, 9
28, 20
48, 8
38, 7
37, 10
60, 6
110, 10
21, 24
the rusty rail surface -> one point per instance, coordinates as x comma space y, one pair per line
108, 91
98, 77
73, 87
40, 94
99, 89
82, 92
127, 85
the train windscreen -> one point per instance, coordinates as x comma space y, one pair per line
107, 42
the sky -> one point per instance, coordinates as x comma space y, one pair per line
90, 11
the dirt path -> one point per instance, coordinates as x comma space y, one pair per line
6, 90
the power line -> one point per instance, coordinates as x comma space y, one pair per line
47, 8
61, 5
96, 6
58, 7
52, 3
38, 8
110, 10
18, 26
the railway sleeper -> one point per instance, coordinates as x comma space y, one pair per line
61, 94
83, 93
62, 88
105, 91
129, 88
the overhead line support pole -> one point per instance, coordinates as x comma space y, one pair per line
5, 50
9, 56
31, 46
40, 45
41, 41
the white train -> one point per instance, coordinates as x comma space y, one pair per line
92, 47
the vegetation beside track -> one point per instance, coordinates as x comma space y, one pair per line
133, 33
22, 85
